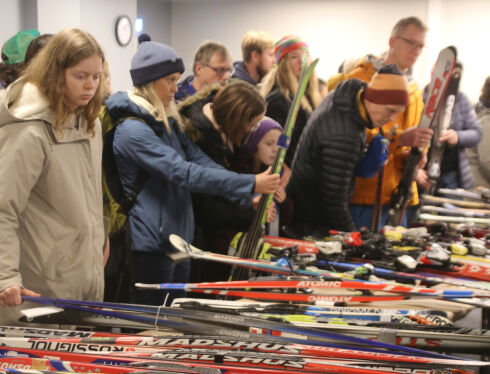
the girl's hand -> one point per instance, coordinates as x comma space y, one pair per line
266, 183
280, 194
286, 175
11, 296
271, 213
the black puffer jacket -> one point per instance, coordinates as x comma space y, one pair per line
323, 168
277, 109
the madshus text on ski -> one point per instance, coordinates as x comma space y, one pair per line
263, 219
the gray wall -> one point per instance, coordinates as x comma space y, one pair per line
156, 15
98, 17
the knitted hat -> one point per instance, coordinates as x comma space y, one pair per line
253, 139
388, 87
14, 49
288, 44
153, 61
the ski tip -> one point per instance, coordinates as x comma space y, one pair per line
453, 49
149, 286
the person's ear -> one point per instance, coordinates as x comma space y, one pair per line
391, 42
255, 56
197, 68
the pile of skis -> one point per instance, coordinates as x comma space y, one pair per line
236, 347
308, 327
457, 206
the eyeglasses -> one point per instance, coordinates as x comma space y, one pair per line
412, 43
221, 71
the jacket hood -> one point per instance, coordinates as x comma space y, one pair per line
22, 101
125, 104
191, 109
242, 73
345, 100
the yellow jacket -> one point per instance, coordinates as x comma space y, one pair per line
365, 189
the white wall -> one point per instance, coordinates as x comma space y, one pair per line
337, 29
334, 29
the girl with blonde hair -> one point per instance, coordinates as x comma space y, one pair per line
149, 140
51, 224
280, 85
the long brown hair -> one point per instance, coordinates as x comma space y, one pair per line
282, 76
235, 106
47, 72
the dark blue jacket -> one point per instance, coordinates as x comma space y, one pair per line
185, 89
176, 167
242, 73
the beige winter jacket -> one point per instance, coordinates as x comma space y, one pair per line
51, 225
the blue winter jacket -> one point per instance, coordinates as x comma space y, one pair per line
176, 167
185, 89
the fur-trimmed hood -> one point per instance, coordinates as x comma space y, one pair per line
191, 111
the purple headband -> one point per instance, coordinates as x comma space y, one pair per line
253, 139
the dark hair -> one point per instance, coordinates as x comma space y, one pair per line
235, 106
35, 46
9, 73
485, 93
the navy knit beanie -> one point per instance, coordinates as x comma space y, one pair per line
152, 61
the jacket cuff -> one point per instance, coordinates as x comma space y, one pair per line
16, 280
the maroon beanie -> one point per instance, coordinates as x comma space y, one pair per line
388, 87
254, 137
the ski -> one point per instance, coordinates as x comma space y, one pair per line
250, 244
431, 209
481, 194
436, 150
313, 284
358, 313
456, 202
285, 331
451, 219
184, 361
441, 76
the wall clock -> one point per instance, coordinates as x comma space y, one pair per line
124, 30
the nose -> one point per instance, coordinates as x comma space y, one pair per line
90, 83
174, 87
393, 117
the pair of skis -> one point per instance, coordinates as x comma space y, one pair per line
442, 74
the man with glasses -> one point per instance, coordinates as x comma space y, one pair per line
406, 43
212, 64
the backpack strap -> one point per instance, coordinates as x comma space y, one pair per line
128, 200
